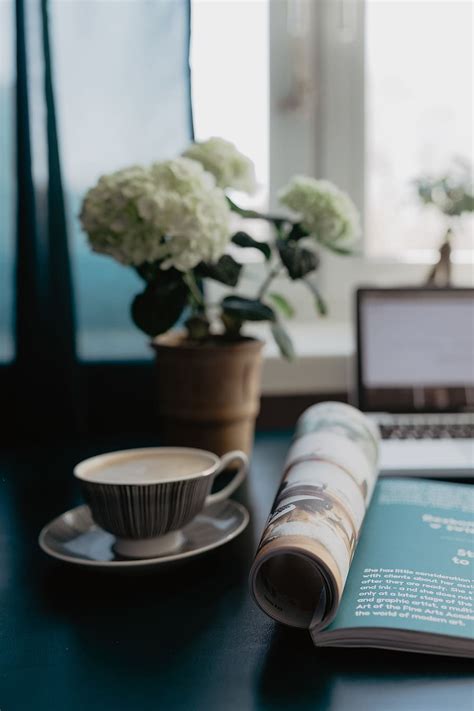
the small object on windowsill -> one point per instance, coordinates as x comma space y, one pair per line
440, 273
452, 195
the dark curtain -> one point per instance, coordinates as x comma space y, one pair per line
99, 85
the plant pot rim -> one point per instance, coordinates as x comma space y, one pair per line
179, 340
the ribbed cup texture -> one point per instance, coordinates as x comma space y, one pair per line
145, 511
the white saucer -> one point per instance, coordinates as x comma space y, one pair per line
74, 538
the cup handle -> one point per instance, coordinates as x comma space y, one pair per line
235, 482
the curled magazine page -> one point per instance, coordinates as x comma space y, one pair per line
305, 552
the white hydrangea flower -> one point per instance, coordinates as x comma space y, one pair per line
325, 211
230, 168
111, 218
171, 212
192, 213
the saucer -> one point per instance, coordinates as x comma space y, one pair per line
74, 538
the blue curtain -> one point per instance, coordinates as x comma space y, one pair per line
7, 176
100, 85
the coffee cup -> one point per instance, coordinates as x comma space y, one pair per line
144, 497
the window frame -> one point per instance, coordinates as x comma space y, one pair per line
323, 133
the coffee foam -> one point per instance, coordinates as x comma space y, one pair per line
145, 467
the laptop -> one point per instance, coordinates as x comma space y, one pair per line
415, 377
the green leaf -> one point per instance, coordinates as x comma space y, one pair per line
283, 341
298, 232
226, 270
319, 302
151, 272
281, 303
247, 309
299, 261
321, 305
242, 239
158, 308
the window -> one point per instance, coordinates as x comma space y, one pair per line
381, 94
371, 94
230, 79
419, 120
368, 93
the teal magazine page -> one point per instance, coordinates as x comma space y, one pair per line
410, 584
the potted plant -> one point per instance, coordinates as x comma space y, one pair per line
452, 195
174, 223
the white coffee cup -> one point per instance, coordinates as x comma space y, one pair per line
145, 496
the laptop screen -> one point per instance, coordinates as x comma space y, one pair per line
416, 349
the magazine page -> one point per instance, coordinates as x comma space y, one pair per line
306, 549
411, 582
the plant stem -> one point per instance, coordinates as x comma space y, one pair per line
254, 214
268, 280
196, 295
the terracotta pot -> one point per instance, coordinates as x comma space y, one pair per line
208, 394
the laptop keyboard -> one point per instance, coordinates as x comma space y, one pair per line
460, 426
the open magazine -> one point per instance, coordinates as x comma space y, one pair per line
362, 563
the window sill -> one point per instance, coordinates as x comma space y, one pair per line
324, 350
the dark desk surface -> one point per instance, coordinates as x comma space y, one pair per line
187, 637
